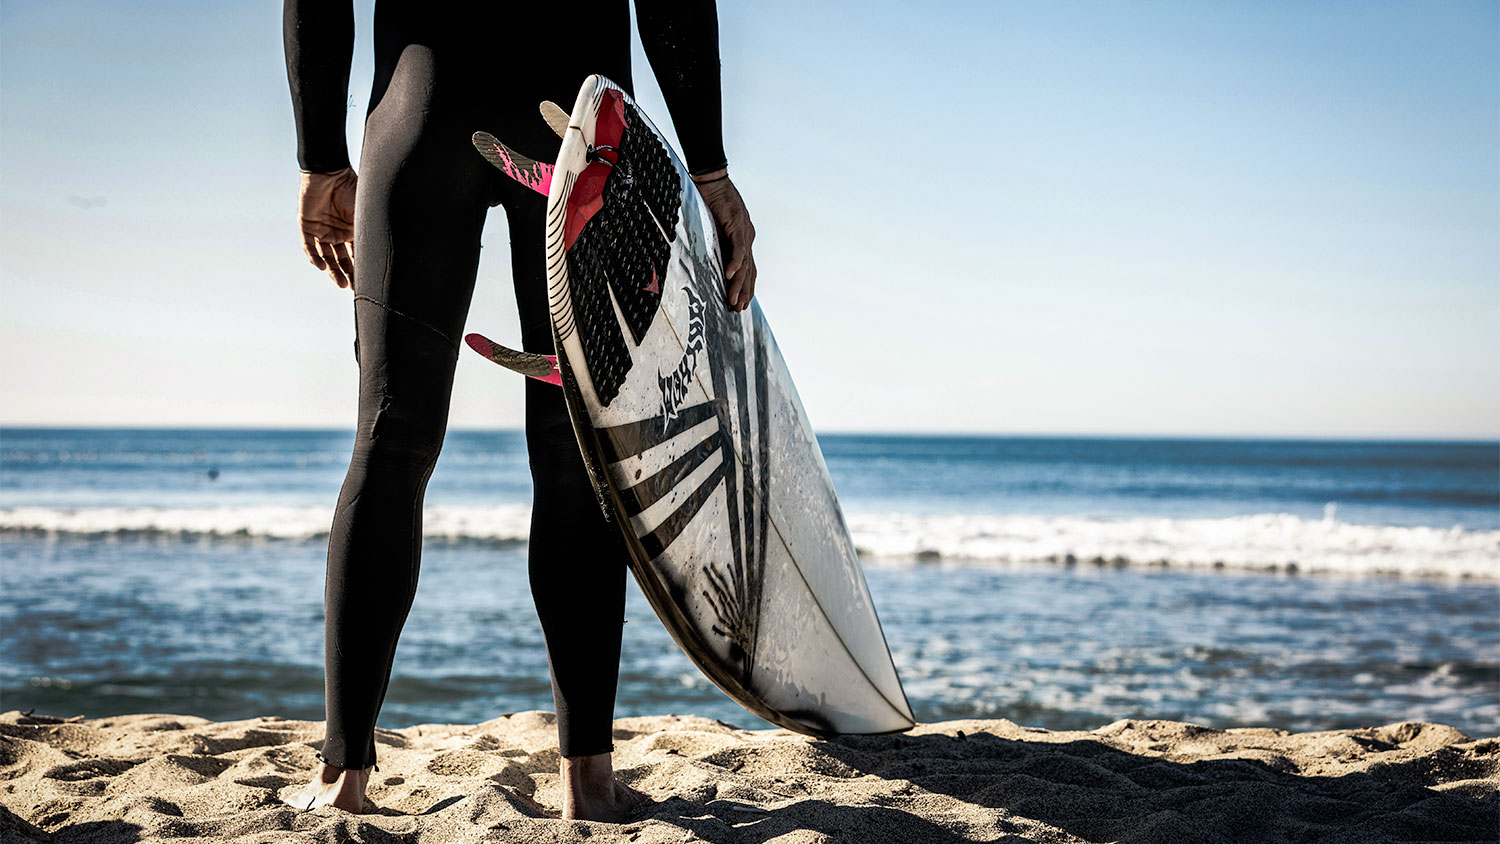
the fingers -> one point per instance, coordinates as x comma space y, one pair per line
737, 253
746, 282
336, 260
742, 288
310, 249
341, 251
738, 235
741, 269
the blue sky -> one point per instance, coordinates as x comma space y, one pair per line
1133, 218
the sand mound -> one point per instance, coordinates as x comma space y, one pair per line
150, 777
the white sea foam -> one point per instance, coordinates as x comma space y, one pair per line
492, 524
1271, 541
1263, 542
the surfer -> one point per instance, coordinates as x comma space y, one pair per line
404, 236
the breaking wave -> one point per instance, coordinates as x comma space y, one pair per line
503, 523
1277, 542
1270, 542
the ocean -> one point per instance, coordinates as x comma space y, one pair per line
1057, 582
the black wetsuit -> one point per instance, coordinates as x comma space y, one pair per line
443, 71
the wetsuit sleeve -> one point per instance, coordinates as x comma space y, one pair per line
681, 39
319, 39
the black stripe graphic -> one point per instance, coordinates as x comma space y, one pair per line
667, 532
631, 439
650, 489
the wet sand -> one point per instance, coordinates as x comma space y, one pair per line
154, 777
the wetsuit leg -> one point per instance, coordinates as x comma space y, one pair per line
577, 559
420, 208
422, 199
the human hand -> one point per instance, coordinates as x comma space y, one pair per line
325, 213
729, 212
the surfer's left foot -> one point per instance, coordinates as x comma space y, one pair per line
343, 788
591, 792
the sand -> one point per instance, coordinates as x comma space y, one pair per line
158, 777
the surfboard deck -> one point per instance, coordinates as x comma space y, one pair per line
694, 436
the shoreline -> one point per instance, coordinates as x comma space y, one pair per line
129, 777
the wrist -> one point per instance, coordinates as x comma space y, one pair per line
717, 175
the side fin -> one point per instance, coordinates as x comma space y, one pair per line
555, 117
532, 174
540, 367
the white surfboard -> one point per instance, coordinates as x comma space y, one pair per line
695, 438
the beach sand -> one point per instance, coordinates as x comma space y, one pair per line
154, 777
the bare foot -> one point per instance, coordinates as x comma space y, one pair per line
343, 788
591, 792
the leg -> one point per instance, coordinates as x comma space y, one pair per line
577, 567
577, 559
418, 217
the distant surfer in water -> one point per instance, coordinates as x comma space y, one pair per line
410, 226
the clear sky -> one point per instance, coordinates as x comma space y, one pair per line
1137, 218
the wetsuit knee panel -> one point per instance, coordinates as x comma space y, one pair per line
406, 383
406, 430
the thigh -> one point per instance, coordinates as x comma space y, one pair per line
420, 207
418, 215
549, 432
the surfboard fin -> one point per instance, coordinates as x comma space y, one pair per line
540, 367
555, 117
529, 172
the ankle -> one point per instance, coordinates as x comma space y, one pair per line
592, 775
329, 766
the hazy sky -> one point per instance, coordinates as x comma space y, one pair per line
1143, 218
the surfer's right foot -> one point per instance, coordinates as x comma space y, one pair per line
591, 792
343, 788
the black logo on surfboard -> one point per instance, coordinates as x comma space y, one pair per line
675, 384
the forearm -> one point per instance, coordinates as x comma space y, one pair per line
681, 40
319, 39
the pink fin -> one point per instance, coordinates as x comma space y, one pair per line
533, 174
530, 364
554, 377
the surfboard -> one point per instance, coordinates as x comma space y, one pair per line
694, 436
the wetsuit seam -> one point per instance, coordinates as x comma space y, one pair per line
424, 323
